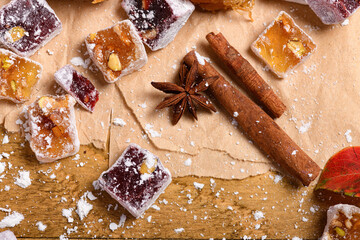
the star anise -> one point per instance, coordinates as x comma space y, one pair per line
187, 93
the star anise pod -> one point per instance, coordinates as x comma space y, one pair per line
187, 93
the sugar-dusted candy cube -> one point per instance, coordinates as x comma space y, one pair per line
77, 86
27, 25
7, 235
117, 51
158, 21
136, 179
18, 76
52, 124
343, 223
283, 45
333, 11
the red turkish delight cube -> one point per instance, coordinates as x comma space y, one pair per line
158, 21
333, 11
77, 86
27, 25
136, 179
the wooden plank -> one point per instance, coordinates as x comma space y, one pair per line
223, 209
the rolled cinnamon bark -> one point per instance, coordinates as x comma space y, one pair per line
258, 125
246, 75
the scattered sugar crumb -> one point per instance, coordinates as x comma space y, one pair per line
11, 220
149, 129
199, 186
114, 226
41, 226
149, 219
78, 61
24, 179
5, 139
119, 122
156, 207
277, 178
179, 230
304, 128
348, 137
68, 214
258, 215
188, 162
83, 207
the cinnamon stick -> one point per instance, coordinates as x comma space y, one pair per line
258, 125
246, 75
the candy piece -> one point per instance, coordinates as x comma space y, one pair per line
117, 51
27, 25
7, 235
136, 179
158, 21
333, 11
283, 45
343, 222
53, 133
18, 76
77, 86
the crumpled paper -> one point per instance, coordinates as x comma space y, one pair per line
322, 95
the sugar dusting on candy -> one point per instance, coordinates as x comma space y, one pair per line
158, 21
37, 19
78, 86
125, 183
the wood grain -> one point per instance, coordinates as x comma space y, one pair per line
223, 210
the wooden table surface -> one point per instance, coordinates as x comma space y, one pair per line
224, 209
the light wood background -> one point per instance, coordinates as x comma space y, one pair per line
224, 210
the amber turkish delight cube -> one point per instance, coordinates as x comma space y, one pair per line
343, 223
136, 179
158, 21
27, 25
77, 86
283, 45
18, 76
52, 128
117, 51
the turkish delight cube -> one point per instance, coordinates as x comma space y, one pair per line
7, 235
27, 25
52, 128
333, 11
18, 76
343, 222
77, 86
158, 21
283, 45
136, 179
117, 51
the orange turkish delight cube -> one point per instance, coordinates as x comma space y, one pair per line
52, 124
18, 76
283, 45
117, 51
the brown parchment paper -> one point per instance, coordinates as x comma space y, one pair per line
322, 95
